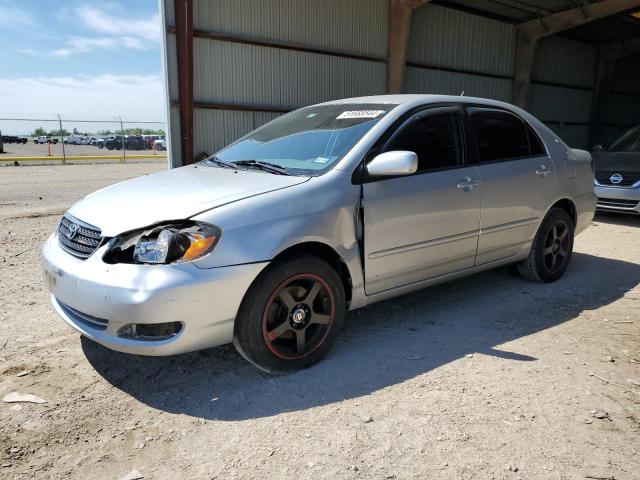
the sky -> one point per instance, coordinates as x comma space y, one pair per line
83, 59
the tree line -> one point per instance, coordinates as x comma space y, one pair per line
39, 132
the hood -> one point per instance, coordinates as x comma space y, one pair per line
618, 161
173, 195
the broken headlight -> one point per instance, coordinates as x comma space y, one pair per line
167, 243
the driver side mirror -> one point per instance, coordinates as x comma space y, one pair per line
388, 164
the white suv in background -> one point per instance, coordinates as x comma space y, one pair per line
160, 144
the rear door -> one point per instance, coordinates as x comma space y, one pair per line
518, 180
426, 224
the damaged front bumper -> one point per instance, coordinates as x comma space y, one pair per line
146, 309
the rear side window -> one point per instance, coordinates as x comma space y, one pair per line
500, 136
435, 137
535, 144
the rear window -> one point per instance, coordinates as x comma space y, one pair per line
500, 136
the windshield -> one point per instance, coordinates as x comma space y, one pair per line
628, 142
307, 141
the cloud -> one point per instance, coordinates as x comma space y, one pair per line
15, 17
103, 22
116, 32
27, 51
101, 97
76, 45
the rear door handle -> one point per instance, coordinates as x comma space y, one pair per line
543, 171
467, 184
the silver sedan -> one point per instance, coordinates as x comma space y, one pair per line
329, 208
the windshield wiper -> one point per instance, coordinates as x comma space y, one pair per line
215, 160
269, 167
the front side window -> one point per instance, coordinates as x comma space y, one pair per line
435, 137
307, 141
628, 142
499, 135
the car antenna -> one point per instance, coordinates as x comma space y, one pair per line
462, 94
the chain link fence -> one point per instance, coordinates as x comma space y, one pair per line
71, 139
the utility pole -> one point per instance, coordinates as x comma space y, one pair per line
64, 155
124, 153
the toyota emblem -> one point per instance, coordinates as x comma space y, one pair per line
616, 178
73, 231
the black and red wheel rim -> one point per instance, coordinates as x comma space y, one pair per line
556, 246
298, 316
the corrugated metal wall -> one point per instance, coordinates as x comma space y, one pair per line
622, 108
563, 77
447, 47
449, 52
228, 72
452, 51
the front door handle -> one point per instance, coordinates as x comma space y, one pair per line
467, 184
543, 171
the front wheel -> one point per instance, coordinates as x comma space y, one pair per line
551, 249
291, 315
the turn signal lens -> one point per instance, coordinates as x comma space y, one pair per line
199, 246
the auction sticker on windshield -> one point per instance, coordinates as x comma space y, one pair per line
360, 114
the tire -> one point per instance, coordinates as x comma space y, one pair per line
551, 249
277, 314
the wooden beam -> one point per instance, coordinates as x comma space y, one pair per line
528, 34
399, 28
566, 19
525, 56
184, 46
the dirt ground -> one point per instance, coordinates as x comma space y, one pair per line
485, 377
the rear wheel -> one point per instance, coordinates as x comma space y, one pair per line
551, 250
291, 315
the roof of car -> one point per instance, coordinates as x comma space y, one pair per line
418, 98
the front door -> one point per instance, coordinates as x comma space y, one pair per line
426, 224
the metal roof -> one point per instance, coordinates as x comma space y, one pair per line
614, 28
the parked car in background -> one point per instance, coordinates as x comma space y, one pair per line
101, 142
329, 208
149, 140
131, 142
92, 140
160, 144
113, 142
76, 139
617, 182
134, 142
45, 139
13, 139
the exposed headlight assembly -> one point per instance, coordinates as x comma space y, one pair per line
168, 243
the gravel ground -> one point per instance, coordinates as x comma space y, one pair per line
485, 377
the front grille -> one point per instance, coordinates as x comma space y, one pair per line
628, 178
88, 320
78, 238
616, 202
